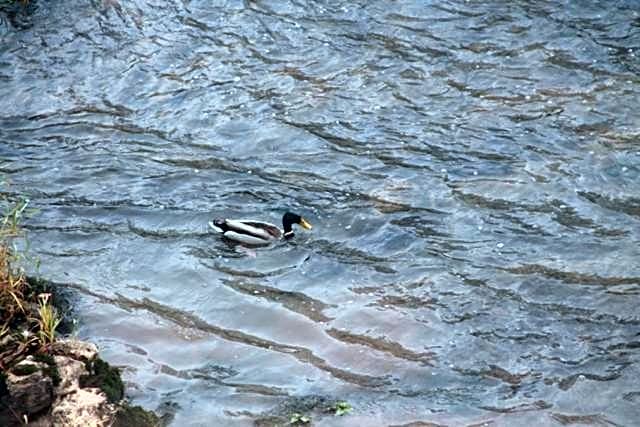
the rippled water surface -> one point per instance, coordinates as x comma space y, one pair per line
472, 171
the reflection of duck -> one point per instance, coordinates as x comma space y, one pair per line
258, 232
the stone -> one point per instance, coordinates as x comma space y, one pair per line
77, 399
86, 407
70, 371
75, 349
29, 393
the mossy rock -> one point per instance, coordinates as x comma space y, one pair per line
105, 377
127, 416
51, 369
24, 369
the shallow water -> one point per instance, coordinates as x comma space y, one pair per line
471, 170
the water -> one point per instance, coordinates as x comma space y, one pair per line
470, 169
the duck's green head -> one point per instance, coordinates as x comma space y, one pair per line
291, 218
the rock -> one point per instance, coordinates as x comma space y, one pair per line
86, 407
105, 377
74, 387
76, 406
29, 390
75, 349
69, 371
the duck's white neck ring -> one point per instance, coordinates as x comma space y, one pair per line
288, 234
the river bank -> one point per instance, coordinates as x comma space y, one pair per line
47, 380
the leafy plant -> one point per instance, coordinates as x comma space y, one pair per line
48, 320
341, 408
298, 418
11, 221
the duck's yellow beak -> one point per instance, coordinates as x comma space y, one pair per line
305, 224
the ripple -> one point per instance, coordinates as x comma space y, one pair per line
470, 170
383, 345
574, 277
294, 301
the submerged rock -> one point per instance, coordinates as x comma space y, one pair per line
127, 416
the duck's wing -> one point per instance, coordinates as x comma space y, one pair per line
258, 229
245, 238
272, 229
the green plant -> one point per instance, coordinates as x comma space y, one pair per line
12, 218
341, 408
20, 322
297, 418
12, 284
48, 320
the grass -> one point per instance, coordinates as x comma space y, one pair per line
12, 284
12, 218
28, 320
48, 320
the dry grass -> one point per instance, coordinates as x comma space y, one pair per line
13, 286
28, 321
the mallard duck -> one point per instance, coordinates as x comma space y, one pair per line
258, 232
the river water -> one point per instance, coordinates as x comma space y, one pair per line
471, 169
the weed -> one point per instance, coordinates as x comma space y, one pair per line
341, 408
48, 320
28, 321
12, 285
11, 223
297, 418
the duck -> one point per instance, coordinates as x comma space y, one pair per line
254, 232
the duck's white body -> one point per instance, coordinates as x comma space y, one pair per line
248, 231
